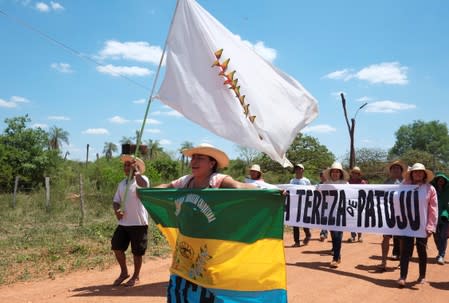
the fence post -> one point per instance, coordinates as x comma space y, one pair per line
82, 200
16, 185
47, 193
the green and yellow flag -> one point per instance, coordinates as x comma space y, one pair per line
224, 239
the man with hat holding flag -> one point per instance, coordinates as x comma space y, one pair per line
132, 219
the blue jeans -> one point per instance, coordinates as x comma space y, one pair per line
440, 238
337, 237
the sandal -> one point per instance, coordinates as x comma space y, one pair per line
132, 282
120, 280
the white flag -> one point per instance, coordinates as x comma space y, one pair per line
214, 79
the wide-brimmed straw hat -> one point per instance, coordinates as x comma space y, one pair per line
335, 165
131, 158
256, 167
356, 169
419, 166
399, 163
208, 150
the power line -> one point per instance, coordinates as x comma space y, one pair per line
66, 47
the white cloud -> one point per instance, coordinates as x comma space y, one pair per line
118, 120
259, 47
320, 128
137, 51
96, 131
343, 74
139, 101
174, 113
7, 104
45, 8
42, 7
123, 70
18, 99
153, 131
59, 118
386, 72
165, 142
364, 99
388, 107
171, 113
41, 125
13, 102
56, 6
62, 67
149, 121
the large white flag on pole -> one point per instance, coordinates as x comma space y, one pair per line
214, 79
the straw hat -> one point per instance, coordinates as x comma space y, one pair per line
335, 165
419, 166
256, 167
208, 150
356, 169
400, 163
132, 158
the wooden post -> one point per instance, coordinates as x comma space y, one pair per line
16, 185
47, 193
87, 154
82, 200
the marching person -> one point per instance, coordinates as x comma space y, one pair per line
441, 184
336, 175
299, 179
419, 175
255, 178
356, 178
396, 171
132, 220
205, 163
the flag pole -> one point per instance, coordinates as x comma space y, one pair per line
150, 100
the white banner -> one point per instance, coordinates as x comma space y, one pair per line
384, 209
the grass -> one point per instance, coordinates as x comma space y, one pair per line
39, 242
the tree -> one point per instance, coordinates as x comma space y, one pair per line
56, 136
372, 162
304, 149
126, 140
184, 159
108, 149
155, 149
248, 154
25, 153
431, 137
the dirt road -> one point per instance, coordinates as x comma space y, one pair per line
310, 279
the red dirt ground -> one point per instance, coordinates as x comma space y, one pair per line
310, 279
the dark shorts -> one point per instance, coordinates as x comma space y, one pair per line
137, 235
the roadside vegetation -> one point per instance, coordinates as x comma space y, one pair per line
66, 225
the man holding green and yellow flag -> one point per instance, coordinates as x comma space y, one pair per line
227, 243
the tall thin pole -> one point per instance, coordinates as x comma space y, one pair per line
150, 99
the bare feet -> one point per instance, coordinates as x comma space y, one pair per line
401, 283
120, 280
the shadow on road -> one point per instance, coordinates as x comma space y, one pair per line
158, 289
324, 266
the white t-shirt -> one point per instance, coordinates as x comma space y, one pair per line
302, 181
135, 212
261, 184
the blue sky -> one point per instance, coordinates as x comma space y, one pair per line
392, 54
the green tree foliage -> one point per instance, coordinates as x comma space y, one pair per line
56, 136
430, 137
108, 149
25, 154
304, 149
372, 162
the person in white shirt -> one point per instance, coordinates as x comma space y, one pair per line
132, 220
299, 179
255, 178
